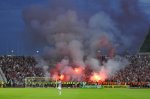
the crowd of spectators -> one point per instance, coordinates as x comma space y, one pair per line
16, 68
138, 70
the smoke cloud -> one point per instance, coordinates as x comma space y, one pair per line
65, 29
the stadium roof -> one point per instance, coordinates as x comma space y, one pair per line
146, 44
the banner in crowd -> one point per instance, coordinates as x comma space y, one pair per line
115, 86
92, 86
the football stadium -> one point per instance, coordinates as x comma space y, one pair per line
74, 49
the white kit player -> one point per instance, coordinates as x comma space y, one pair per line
59, 87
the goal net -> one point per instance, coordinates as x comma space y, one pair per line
40, 82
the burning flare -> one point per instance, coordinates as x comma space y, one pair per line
95, 77
78, 70
61, 77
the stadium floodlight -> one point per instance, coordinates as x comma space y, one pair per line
12, 51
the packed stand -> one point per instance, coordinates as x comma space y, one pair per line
138, 70
16, 68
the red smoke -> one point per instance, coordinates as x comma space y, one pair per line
66, 71
79, 72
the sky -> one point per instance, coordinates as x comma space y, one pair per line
12, 26
13, 32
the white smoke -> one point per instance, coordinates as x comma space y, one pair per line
93, 63
68, 35
42, 63
115, 64
76, 52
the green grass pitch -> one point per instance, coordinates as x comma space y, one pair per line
51, 93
